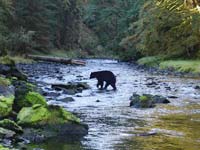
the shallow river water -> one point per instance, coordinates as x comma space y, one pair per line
112, 123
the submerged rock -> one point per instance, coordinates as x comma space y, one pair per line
71, 88
67, 99
147, 100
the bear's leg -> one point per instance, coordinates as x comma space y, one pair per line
107, 84
100, 83
114, 86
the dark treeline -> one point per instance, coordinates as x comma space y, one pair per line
27, 25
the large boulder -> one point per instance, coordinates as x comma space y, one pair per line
26, 95
147, 100
6, 105
30, 99
51, 120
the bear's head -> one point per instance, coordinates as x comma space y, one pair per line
93, 75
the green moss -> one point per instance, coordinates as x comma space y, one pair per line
7, 60
3, 148
6, 105
4, 81
36, 115
143, 98
35, 98
182, 65
41, 115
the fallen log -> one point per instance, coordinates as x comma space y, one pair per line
57, 59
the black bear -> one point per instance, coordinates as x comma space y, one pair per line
106, 76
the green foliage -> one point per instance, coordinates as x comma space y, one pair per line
110, 19
166, 27
27, 25
182, 65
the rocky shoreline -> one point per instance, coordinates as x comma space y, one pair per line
25, 114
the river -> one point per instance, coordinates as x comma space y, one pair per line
112, 123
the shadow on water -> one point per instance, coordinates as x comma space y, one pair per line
112, 123
58, 144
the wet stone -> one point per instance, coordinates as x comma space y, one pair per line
147, 100
67, 99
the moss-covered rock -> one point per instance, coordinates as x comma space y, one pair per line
43, 122
25, 95
38, 115
33, 98
10, 125
3, 148
146, 100
6, 105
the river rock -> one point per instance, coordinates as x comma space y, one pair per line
6, 134
67, 99
10, 125
197, 87
71, 88
6, 88
146, 100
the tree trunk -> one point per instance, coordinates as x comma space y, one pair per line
57, 59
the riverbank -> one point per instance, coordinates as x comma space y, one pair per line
182, 68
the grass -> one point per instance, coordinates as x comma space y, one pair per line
14, 59
186, 66
151, 61
182, 65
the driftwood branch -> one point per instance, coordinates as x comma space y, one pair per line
57, 59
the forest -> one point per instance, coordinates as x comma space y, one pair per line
129, 29
99, 74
